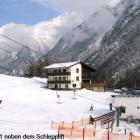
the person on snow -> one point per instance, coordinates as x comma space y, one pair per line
91, 120
91, 108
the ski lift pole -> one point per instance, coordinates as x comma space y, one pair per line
58, 97
117, 116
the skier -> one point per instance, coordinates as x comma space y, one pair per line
91, 108
91, 120
110, 106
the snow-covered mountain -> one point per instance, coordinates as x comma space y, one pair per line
98, 40
40, 38
83, 40
120, 50
108, 40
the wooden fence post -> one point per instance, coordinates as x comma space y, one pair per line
72, 123
58, 129
83, 133
71, 131
108, 135
95, 125
62, 124
130, 136
94, 133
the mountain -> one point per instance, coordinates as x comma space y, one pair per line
108, 40
120, 50
83, 40
39, 38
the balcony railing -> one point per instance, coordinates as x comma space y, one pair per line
59, 82
87, 77
86, 85
58, 73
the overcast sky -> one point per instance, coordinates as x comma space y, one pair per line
33, 11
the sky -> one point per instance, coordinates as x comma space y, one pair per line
42, 23
25, 12
31, 12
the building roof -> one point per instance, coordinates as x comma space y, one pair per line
61, 65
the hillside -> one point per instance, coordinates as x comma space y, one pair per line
39, 38
108, 41
120, 49
84, 39
28, 108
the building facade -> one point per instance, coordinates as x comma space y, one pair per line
71, 75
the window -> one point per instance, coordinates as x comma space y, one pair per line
55, 78
64, 78
66, 86
55, 71
77, 70
59, 86
59, 78
64, 70
74, 85
77, 78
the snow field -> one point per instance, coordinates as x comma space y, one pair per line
28, 108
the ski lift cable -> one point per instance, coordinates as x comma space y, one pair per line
11, 52
103, 103
96, 101
5, 50
13, 40
26, 46
91, 99
18, 43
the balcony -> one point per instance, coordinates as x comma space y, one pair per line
87, 77
59, 82
58, 73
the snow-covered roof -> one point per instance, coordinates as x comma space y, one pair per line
62, 65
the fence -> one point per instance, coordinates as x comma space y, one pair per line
133, 137
75, 129
81, 129
73, 124
78, 132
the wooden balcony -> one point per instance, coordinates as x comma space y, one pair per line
58, 73
85, 85
87, 77
59, 82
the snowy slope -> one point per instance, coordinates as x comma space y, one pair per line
27, 107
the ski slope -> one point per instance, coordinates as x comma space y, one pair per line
28, 108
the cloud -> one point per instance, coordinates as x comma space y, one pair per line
44, 35
83, 7
41, 36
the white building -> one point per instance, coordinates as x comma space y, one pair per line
70, 75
